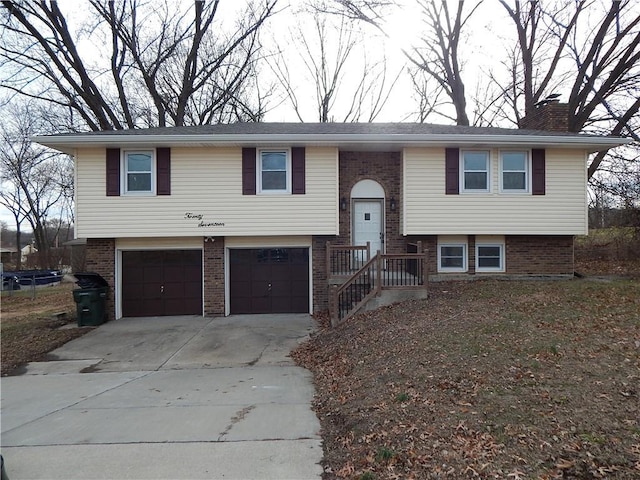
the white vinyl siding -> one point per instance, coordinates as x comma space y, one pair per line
427, 210
206, 190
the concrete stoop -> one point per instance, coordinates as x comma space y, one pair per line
389, 297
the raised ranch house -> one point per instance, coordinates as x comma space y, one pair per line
227, 219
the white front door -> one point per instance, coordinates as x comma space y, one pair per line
368, 224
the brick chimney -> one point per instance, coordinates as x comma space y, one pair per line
548, 115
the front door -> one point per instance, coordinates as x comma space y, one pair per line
368, 224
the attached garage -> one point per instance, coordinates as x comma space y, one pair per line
269, 280
161, 282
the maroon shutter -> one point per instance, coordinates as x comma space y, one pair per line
113, 172
538, 169
163, 171
452, 171
248, 171
298, 170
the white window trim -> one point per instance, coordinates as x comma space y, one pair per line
123, 179
462, 170
259, 189
465, 257
527, 173
480, 269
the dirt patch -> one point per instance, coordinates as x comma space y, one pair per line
484, 380
31, 327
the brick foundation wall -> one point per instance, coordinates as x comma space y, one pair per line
319, 265
213, 265
539, 255
386, 169
101, 258
524, 254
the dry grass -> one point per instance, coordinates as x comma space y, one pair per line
486, 379
28, 330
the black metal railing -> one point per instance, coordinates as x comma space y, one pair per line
345, 260
403, 270
383, 271
349, 297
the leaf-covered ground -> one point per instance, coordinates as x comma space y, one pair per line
486, 379
28, 330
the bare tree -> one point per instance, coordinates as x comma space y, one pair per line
593, 47
368, 11
438, 52
34, 180
135, 62
348, 85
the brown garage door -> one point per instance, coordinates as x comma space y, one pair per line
269, 280
161, 282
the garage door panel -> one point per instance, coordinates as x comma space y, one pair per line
286, 270
300, 304
161, 282
300, 289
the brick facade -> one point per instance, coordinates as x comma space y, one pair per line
213, 265
550, 255
384, 168
539, 255
101, 259
319, 272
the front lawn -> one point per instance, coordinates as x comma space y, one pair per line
487, 379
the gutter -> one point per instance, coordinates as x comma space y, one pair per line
70, 142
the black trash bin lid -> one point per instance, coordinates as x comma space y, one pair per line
90, 280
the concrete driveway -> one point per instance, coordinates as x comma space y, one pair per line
167, 398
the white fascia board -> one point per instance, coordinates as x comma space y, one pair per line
68, 142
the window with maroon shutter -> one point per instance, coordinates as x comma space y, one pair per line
163, 171
248, 171
538, 171
452, 171
298, 170
113, 172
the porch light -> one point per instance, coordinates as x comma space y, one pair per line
343, 204
392, 204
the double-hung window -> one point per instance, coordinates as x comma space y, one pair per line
475, 171
452, 257
514, 171
274, 171
489, 257
139, 177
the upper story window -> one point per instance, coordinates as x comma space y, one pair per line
139, 172
514, 174
475, 171
274, 171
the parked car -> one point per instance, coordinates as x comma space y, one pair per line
10, 281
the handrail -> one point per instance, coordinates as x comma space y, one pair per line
343, 260
353, 294
382, 272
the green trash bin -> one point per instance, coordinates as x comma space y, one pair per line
90, 299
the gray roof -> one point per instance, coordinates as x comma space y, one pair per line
346, 136
259, 128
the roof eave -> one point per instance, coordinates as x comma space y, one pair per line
68, 143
